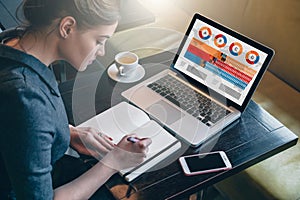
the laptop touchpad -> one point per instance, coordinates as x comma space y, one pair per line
164, 112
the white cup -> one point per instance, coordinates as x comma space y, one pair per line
126, 63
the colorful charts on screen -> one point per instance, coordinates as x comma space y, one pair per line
205, 33
236, 49
252, 57
220, 40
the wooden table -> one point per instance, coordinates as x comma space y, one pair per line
254, 137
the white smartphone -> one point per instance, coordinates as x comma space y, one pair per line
204, 163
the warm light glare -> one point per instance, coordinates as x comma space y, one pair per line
156, 4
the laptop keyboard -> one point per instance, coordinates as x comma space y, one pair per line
189, 100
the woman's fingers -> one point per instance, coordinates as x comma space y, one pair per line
105, 141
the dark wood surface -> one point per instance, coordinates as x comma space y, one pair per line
254, 137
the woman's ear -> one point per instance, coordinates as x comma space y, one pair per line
66, 26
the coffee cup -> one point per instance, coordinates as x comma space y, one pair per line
126, 63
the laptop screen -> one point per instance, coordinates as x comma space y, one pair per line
222, 60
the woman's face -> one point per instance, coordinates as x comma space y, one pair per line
81, 47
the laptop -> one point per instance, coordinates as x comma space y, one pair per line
209, 83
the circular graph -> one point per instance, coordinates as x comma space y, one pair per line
220, 40
236, 49
205, 33
252, 57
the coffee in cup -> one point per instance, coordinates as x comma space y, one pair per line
126, 63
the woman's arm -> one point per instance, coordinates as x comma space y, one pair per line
27, 138
86, 185
124, 155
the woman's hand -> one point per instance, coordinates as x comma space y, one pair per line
88, 141
127, 154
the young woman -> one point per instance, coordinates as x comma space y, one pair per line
34, 131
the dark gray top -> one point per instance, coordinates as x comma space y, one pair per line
34, 131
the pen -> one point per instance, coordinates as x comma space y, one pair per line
133, 139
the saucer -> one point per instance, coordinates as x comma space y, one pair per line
113, 73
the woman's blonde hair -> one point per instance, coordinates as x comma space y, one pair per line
88, 13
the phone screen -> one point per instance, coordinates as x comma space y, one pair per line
205, 162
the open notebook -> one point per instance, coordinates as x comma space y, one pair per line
123, 119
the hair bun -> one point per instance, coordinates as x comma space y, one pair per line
35, 11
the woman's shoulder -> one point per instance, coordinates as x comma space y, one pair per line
15, 81
11, 78
17, 75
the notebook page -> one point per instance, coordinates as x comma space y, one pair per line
162, 143
159, 136
124, 119
118, 121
